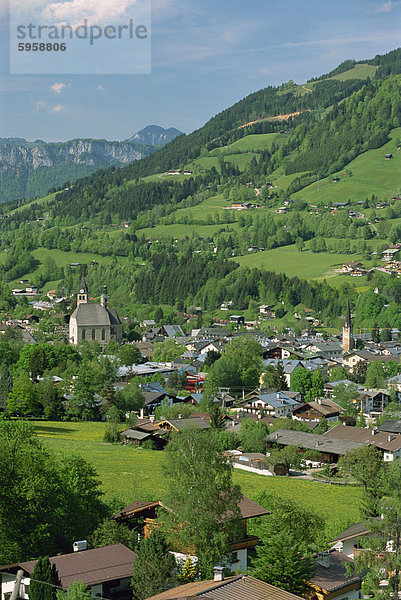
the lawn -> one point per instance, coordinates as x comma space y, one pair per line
371, 174
305, 265
130, 473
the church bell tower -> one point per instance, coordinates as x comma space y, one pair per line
348, 338
82, 296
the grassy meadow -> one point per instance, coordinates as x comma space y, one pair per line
133, 473
371, 174
293, 263
180, 231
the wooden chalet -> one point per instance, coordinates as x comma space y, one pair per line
316, 411
141, 516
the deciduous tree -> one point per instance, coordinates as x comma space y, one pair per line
202, 499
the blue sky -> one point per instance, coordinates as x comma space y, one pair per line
206, 55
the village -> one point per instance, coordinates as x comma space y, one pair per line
308, 407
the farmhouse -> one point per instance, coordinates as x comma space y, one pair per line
316, 411
330, 448
91, 321
106, 571
349, 267
390, 254
388, 444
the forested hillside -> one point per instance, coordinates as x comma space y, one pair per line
249, 215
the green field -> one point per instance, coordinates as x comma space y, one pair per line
305, 265
371, 174
202, 210
181, 231
253, 142
130, 473
357, 72
39, 201
63, 258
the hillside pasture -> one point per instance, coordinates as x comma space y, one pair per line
178, 231
371, 174
254, 143
293, 263
204, 209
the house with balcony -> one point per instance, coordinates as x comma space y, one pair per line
141, 516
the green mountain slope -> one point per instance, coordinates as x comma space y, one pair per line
176, 240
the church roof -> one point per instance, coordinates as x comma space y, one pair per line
92, 315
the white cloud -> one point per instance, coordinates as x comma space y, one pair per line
98, 11
39, 105
58, 87
4, 8
57, 109
386, 7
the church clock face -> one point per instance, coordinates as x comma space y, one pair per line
82, 291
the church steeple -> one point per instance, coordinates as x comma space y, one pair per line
82, 296
348, 338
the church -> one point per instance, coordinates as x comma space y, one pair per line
93, 322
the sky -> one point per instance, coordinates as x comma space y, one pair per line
206, 55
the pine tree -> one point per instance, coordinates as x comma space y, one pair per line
44, 581
217, 418
154, 567
281, 376
281, 561
188, 572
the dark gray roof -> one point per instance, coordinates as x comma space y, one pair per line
92, 315
286, 437
390, 426
133, 434
195, 423
335, 576
353, 531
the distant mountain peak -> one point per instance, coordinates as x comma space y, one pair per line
155, 135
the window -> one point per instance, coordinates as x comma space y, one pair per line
93, 334
83, 334
103, 334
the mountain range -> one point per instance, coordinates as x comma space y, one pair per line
30, 169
